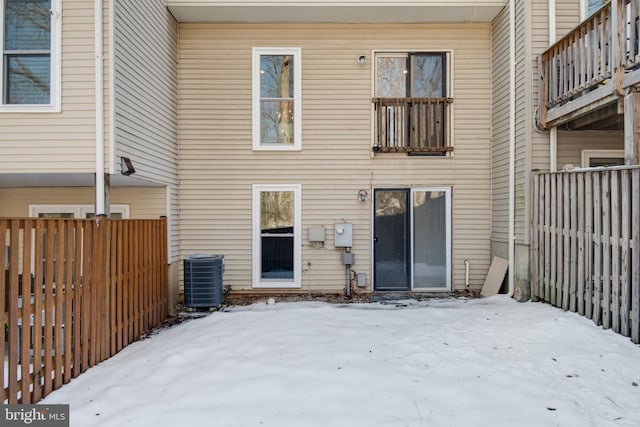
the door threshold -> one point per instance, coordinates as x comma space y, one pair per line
387, 296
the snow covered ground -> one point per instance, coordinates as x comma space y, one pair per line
486, 362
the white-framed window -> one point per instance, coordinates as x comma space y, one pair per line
412, 102
596, 158
588, 7
277, 98
30, 46
277, 243
76, 211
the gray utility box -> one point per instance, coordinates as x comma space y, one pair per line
343, 235
203, 280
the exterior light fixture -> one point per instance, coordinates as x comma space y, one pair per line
363, 196
126, 166
362, 59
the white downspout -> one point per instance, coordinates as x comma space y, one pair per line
553, 132
512, 142
99, 82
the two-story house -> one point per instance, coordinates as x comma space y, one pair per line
317, 145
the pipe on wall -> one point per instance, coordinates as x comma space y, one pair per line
553, 132
466, 273
512, 142
99, 96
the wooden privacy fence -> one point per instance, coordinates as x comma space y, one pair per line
585, 253
75, 293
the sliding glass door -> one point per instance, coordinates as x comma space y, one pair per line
412, 244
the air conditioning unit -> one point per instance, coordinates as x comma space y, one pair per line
203, 280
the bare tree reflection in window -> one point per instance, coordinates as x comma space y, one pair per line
276, 93
27, 44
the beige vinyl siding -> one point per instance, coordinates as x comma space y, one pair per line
145, 87
567, 16
500, 127
144, 202
218, 166
539, 43
571, 144
65, 141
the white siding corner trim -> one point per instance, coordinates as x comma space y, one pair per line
258, 280
296, 52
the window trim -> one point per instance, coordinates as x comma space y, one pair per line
449, 93
296, 52
79, 211
257, 281
54, 105
587, 155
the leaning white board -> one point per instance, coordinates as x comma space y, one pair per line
495, 276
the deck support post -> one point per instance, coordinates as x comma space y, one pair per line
632, 128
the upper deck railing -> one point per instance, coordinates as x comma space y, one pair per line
592, 65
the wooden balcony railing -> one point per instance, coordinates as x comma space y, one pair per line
592, 65
412, 125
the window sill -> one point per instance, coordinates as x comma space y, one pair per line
277, 148
276, 285
23, 108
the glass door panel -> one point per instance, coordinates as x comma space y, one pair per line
430, 248
391, 240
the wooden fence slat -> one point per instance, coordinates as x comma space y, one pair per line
136, 280
103, 330
47, 324
559, 242
68, 301
153, 256
14, 255
77, 298
119, 288
540, 236
59, 298
554, 224
625, 252
588, 212
144, 306
581, 254
615, 252
113, 294
566, 250
38, 256
94, 319
635, 261
25, 339
126, 302
597, 249
87, 284
164, 258
3, 309
573, 242
606, 251
547, 236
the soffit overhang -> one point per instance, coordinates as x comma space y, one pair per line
308, 11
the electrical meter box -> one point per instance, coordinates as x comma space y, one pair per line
343, 235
